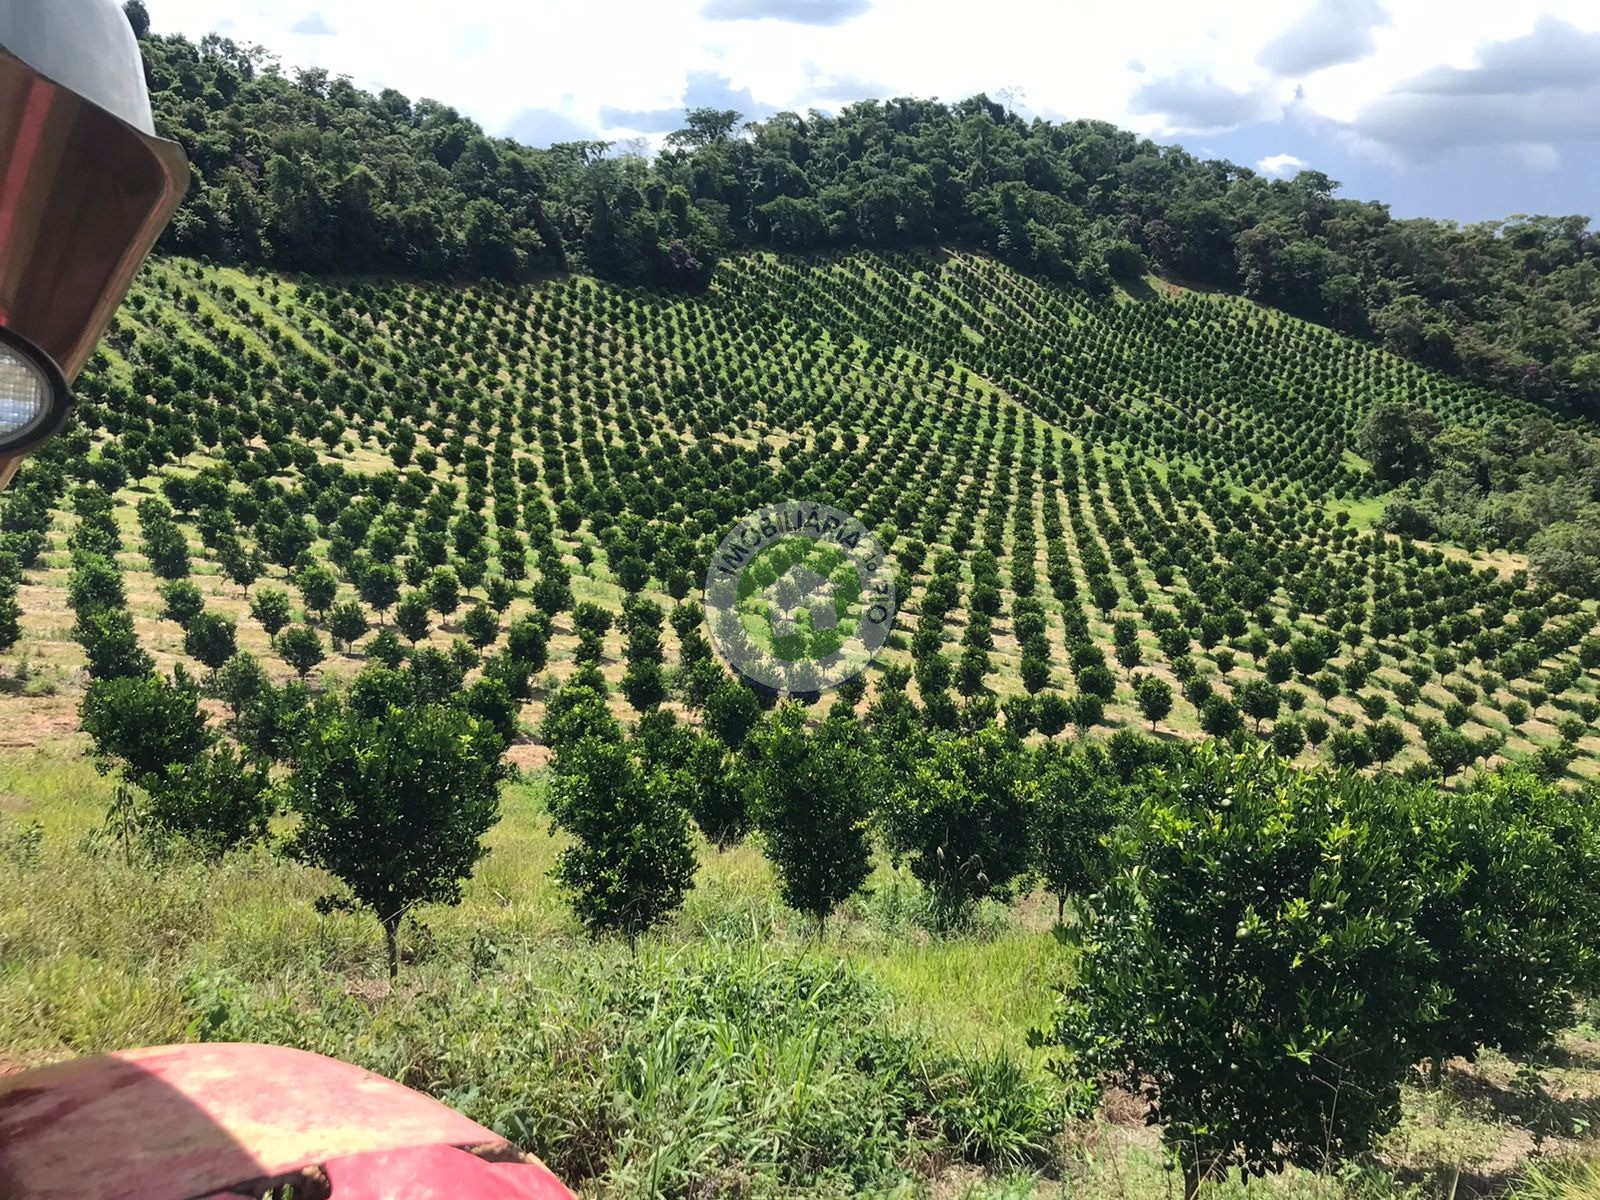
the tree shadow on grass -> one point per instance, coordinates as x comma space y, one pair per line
1529, 1105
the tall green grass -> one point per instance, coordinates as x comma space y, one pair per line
732, 1051
1562, 1179
733, 1055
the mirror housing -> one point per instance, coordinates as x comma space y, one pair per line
85, 186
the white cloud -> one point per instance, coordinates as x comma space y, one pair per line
1538, 156
1199, 66
313, 24
1280, 166
1191, 103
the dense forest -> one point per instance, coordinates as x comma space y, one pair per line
304, 171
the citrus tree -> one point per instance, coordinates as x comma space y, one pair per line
810, 793
963, 816
396, 806
1250, 967
631, 860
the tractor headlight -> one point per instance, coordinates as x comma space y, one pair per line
34, 396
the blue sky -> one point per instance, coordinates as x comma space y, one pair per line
1466, 110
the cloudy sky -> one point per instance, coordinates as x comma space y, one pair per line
1468, 109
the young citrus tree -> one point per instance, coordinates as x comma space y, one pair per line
152, 729
144, 724
1079, 800
219, 800
631, 860
963, 817
1250, 965
396, 807
810, 794
1505, 865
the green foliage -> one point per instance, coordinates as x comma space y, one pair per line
574, 713
631, 860
1566, 555
643, 685
1219, 716
379, 586
481, 625
1386, 740
318, 588
528, 640
210, 638
1052, 712
219, 800
95, 583
1259, 700
182, 601
276, 723
240, 563
396, 807
1504, 864
491, 701
10, 610
443, 593
1316, 729
111, 645
810, 797
1154, 697
1078, 803
1250, 965
413, 616
301, 647
166, 549
1450, 751
727, 1063
731, 712
240, 681
589, 617
347, 624
1350, 748
385, 648
1396, 441
717, 798
417, 188
1088, 710
1255, 555
271, 609
963, 817
144, 724
1288, 738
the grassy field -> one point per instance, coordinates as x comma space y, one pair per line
730, 1051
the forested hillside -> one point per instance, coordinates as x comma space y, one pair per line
303, 171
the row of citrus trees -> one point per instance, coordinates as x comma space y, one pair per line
1133, 537
1262, 953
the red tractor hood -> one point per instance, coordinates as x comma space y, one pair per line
224, 1121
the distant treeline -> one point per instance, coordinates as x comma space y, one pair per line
307, 172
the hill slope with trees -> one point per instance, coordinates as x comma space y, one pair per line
1086, 498
301, 170
321, 559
